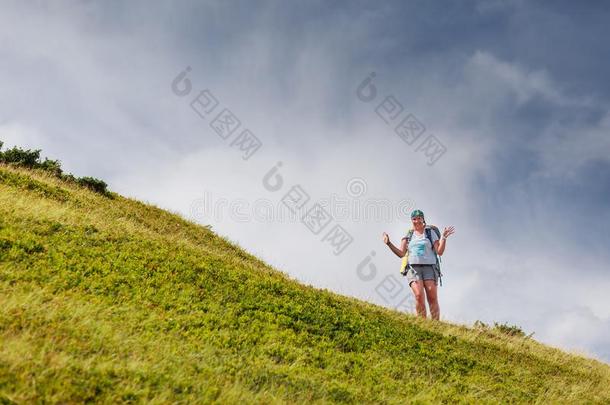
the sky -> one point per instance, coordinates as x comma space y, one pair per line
491, 116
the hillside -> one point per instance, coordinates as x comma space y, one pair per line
110, 300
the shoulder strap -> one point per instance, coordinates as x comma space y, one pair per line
428, 230
409, 235
429, 236
435, 229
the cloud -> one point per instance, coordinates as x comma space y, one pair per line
512, 79
578, 328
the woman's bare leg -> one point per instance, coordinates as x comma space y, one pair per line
418, 292
432, 296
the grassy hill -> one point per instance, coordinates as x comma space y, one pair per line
107, 299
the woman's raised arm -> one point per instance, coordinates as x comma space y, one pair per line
398, 252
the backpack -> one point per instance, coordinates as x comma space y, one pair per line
405, 260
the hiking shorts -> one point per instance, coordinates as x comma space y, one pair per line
422, 272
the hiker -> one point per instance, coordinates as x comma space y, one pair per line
422, 245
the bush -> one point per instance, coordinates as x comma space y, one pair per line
52, 166
504, 328
31, 159
511, 330
68, 178
94, 184
28, 158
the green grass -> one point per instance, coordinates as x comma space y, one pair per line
110, 300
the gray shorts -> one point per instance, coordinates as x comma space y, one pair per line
422, 272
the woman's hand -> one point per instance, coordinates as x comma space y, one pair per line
448, 232
386, 238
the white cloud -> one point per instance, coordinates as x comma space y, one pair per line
580, 330
510, 78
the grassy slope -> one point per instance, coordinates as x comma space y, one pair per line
113, 300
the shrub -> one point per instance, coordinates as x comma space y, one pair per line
68, 177
504, 328
31, 159
511, 330
28, 158
94, 184
52, 166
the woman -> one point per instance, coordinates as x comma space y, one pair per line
422, 275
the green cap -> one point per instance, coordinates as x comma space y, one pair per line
417, 213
